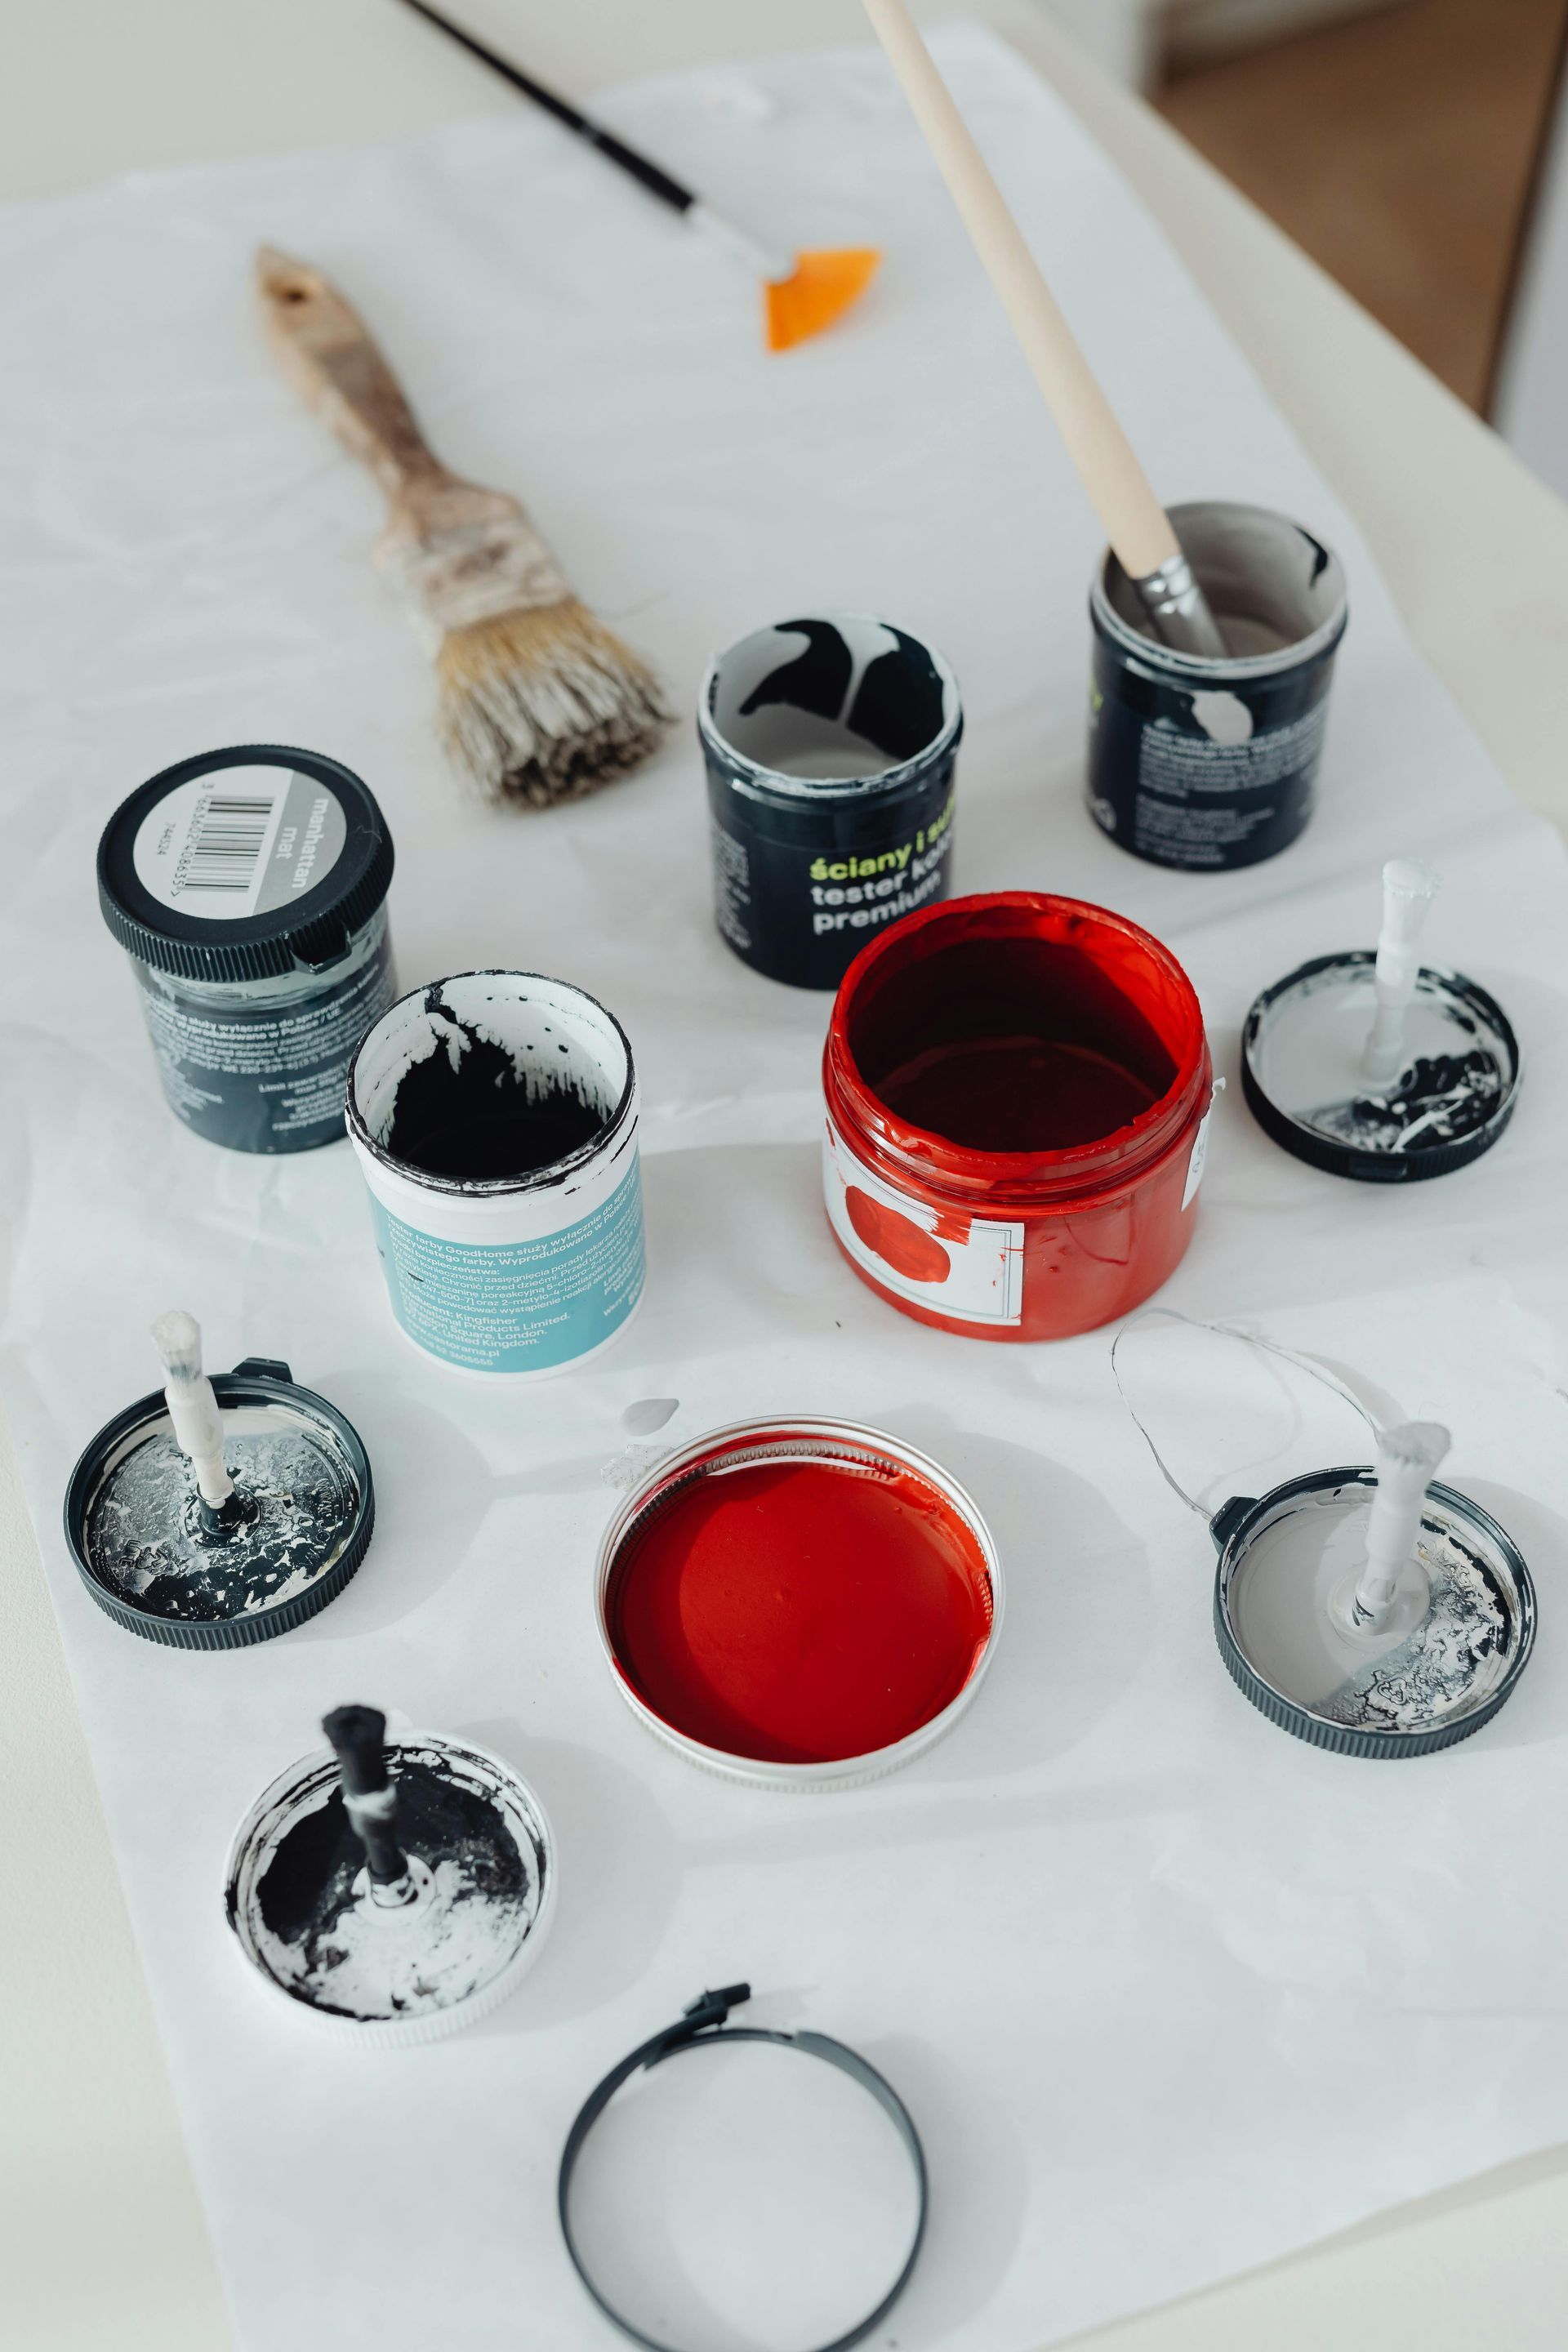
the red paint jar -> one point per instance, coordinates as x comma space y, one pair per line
1018, 1092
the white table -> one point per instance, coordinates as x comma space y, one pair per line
1477, 555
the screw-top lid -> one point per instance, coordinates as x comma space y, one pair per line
1433, 1676
243, 864
147, 1556
1308, 1081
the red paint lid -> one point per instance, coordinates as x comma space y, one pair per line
798, 1596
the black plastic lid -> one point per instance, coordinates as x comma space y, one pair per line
224, 890
257, 1381
1233, 1527
1407, 1131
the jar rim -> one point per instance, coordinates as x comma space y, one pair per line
1100, 1164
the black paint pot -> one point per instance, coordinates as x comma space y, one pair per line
247, 886
830, 744
1212, 764
135, 1531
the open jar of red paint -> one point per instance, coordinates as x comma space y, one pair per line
1017, 1088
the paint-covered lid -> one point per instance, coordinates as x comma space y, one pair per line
469, 1924
244, 864
801, 1603
1304, 1052
1436, 1674
136, 1534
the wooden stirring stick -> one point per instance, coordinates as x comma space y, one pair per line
1135, 522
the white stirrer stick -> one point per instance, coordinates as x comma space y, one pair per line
1408, 890
1406, 1458
192, 1407
1135, 522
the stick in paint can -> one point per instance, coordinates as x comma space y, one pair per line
1409, 887
1136, 524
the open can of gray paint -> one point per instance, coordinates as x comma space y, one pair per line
1206, 765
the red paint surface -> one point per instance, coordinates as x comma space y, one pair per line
1017, 1094
1036, 1061
800, 1612
895, 1239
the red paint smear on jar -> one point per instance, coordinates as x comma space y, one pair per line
895, 1239
799, 1612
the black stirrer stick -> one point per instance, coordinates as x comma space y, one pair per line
358, 1736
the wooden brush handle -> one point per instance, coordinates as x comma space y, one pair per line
328, 355
1135, 522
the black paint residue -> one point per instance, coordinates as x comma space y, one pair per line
308, 1885
483, 1119
1436, 1101
145, 1541
898, 703
815, 680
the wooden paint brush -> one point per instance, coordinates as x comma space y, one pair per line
538, 700
1136, 524
801, 293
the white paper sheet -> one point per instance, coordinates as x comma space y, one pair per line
1167, 1992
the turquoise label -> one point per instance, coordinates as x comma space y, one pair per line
518, 1306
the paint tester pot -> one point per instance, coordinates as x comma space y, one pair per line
136, 1535
1017, 1090
1286, 1564
798, 1604
830, 745
299, 1902
495, 1116
247, 888
1212, 764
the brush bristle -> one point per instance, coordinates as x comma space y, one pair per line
546, 705
178, 1340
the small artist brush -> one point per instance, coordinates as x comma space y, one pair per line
1136, 524
539, 700
801, 293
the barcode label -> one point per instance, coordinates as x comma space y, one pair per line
225, 846
240, 841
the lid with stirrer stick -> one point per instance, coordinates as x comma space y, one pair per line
396, 1888
1371, 1065
219, 1512
1364, 1609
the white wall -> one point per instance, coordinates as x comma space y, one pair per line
1531, 409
